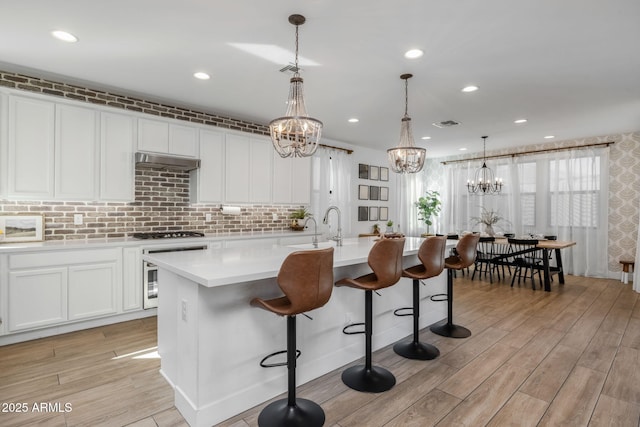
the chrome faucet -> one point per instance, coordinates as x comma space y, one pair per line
337, 237
315, 230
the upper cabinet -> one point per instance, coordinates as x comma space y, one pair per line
291, 180
168, 138
76, 141
248, 175
117, 139
207, 182
30, 148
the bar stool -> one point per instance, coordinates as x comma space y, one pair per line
465, 256
306, 278
385, 259
431, 254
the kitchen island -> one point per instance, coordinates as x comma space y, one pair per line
211, 340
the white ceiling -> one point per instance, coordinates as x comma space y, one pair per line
571, 67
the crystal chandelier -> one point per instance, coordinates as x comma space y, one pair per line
296, 134
484, 182
406, 157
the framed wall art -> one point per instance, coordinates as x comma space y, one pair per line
383, 213
374, 192
373, 213
374, 173
384, 174
363, 213
384, 193
21, 228
363, 192
363, 171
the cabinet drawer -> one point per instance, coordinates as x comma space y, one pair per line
63, 258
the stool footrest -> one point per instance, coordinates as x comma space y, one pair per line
274, 365
399, 311
439, 297
347, 332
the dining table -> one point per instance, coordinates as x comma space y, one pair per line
547, 246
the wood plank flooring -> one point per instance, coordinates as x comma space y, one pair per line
569, 357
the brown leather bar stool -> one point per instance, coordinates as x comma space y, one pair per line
385, 259
465, 256
306, 278
431, 254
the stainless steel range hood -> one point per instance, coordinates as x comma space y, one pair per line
167, 161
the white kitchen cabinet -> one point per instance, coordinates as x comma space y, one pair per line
4, 138
92, 290
291, 180
57, 287
159, 136
37, 297
237, 155
76, 141
117, 173
207, 182
248, 169
30, 148
131, 279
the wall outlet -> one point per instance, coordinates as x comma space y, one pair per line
184, 310
207, 217
77, 219
275, 217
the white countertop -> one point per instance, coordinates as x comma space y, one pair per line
219, 267
48, 245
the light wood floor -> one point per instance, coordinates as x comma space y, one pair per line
569, 357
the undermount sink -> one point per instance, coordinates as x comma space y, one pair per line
321, 245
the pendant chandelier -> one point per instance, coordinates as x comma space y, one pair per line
484, 182
296, 134
406, 157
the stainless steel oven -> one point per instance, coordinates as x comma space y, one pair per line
150, 271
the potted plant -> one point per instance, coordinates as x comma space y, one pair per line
376, 229
428, 207
297, 218
489, 218
389, 226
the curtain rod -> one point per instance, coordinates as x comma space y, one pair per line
336, 148
546, 150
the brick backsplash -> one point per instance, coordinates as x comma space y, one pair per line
93, 96
161, 204
161, 196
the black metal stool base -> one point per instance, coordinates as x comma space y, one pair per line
375, 380
304, 413
416, 350
450, 330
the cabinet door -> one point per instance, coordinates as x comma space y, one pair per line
131, 279
4, 137
117, 173
237, 151
30, 148
92, 290
37, 297
207, 182
301, 181
153, 135
282, 172
75, 153
183, 140
260, 171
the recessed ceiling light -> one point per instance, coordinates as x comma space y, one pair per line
64, 36
413, 54
520, 121
463, 149
353, 120
202, 76
426, 137
549, 136
470, 88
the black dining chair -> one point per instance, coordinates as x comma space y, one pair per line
526, 260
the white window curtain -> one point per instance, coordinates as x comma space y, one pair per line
563, 193
636, 275
410, 188
330, 186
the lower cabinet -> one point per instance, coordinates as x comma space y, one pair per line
63, 286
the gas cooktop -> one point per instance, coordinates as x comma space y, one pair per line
167, 234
